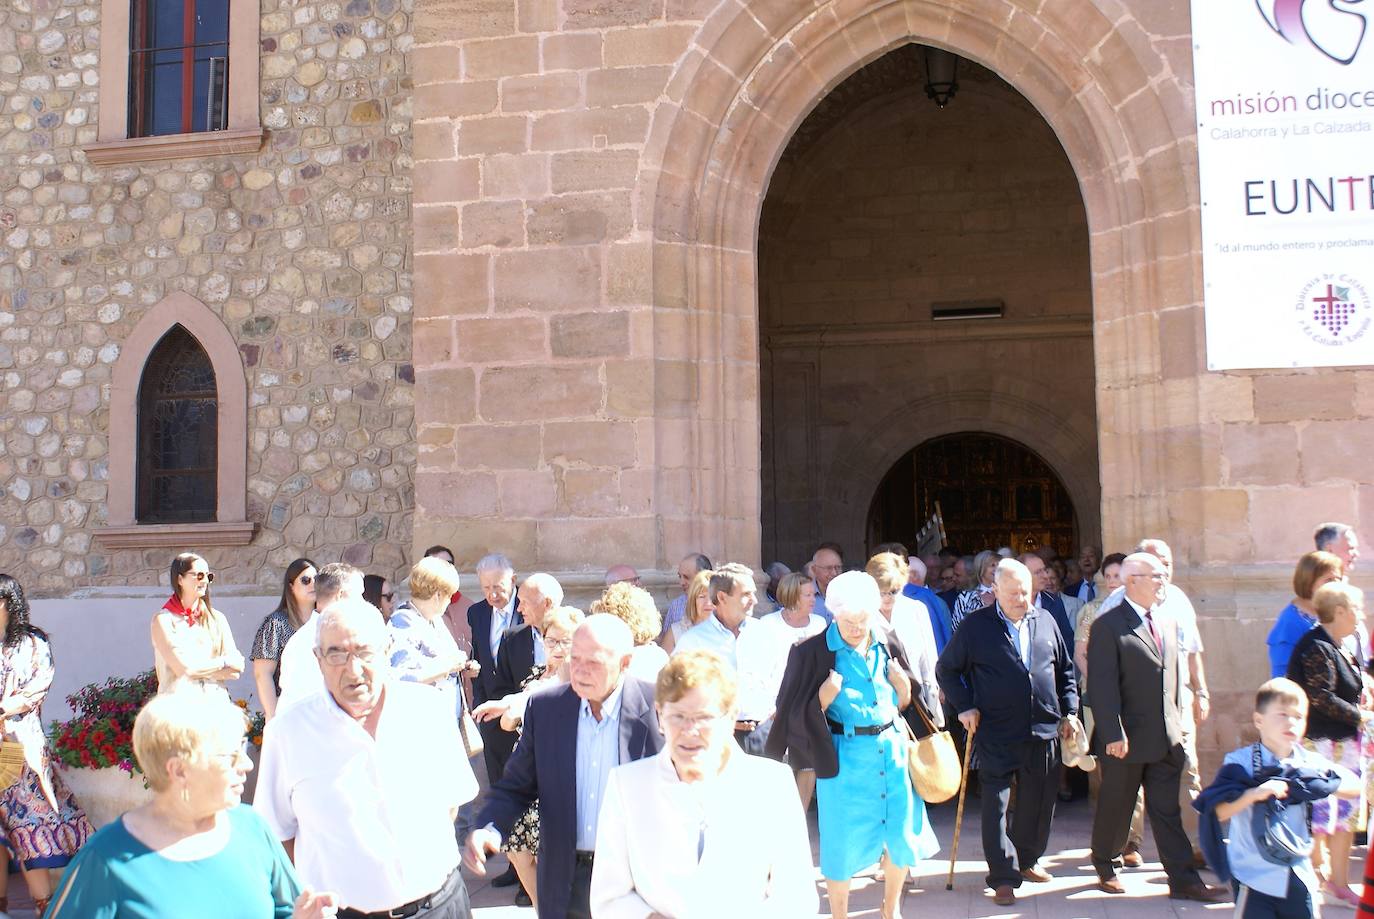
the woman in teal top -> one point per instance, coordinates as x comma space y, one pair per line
193, 850
868, 810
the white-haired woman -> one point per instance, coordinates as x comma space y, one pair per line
703, 828
868, 809
193, 850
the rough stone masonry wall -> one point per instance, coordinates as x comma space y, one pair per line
302, 249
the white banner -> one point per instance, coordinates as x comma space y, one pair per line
1285, 110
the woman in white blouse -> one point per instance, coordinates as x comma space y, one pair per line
702, 823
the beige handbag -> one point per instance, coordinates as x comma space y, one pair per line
467, 726
933, 761
11, 762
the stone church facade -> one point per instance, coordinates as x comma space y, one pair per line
596, 281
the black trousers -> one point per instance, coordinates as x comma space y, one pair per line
497, 746
1121, 782
1034, 766
580, 903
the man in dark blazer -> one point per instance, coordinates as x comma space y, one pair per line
522, 647
1008, 672
490, 619
1045, 598
1137, 691
572, 737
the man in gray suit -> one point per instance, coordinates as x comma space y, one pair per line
1137, 700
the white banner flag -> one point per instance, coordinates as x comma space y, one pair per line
1285, 110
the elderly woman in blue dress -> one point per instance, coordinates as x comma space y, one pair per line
868, 809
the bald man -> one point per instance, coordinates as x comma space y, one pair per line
571, 738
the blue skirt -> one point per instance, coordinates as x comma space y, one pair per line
870, 806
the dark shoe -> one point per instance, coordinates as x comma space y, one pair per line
1004, 896
1036, 875
1199, 860
522, 898
506, 880
1131, 858
1110, 885
1201, 893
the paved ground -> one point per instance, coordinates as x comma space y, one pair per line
1071, 895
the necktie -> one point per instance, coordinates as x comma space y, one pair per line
500, 617
1092, 593
1154, 633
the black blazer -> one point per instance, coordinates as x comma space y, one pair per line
1332, 684
514, 660
1136, 693
981, 669
479, 621
543, 768
799, 727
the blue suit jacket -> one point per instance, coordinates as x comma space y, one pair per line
543, 768
980, 669
1053, 604
479, 621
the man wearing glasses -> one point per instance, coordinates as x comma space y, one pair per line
826, 564
1137, 700
362, 782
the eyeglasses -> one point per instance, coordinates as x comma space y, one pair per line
306, 580
558, 644
891, 593
700, 720
337, 657
227, 759
202, 575
833, 569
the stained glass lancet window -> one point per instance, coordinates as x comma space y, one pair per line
177, 433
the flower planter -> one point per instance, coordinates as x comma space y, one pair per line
105, 794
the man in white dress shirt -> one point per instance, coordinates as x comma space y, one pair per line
750, 651
300, 671
362, 782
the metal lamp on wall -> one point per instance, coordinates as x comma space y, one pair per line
942, 71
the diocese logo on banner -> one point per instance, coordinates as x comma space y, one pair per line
1332, 27
1333, 310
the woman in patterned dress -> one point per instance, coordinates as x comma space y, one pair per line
559, 624
297, 602
42, 823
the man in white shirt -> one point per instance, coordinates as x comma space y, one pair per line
362, 782
300, 671
749, 650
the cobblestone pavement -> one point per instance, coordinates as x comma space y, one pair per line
1071, 895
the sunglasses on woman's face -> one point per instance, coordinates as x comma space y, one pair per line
203, 576
306, 580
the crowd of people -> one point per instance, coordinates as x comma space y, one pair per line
646, 764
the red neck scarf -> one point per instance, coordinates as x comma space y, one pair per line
192, 616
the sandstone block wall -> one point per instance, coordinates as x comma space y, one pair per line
302, 250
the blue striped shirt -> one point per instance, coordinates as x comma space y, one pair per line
598, 752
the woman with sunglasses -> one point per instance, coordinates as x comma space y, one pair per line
378, 591
297, 603
191, 639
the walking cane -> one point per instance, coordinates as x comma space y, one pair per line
959, 813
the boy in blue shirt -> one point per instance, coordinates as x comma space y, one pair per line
1264, 791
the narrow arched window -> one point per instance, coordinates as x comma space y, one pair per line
178, 431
